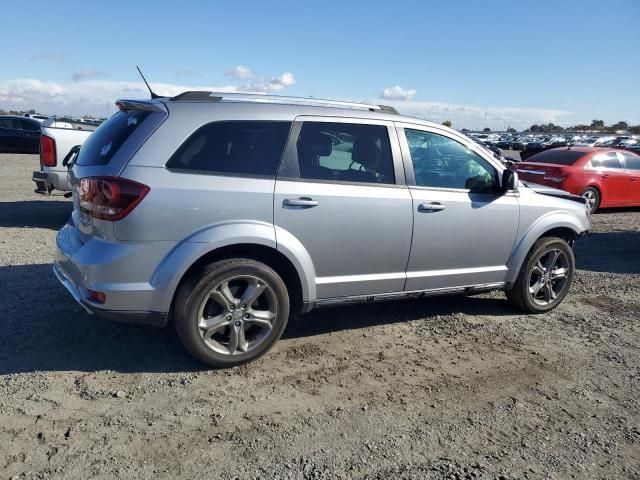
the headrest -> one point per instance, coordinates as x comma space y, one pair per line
365, 152
316, 143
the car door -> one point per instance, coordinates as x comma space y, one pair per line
340, 192
30, 135
632, 166
464, 227
10, 135
615, 179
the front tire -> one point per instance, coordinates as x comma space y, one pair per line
233, 312
545, 277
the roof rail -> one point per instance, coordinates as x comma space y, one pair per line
202, 96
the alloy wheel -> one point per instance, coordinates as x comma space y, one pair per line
592, 199
548, 278
237, 315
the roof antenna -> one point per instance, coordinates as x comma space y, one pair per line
153, 95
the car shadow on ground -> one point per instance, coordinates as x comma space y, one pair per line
45, 330
610, 252
51, 214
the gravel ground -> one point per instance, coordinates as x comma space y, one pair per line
453, 387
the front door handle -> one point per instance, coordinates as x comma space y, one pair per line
302, 202
431, 207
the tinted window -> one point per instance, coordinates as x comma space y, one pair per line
240, 148
557, 157
30, 126
441, 162
345, 152
9, 123
606, 160
631, 161
100, 147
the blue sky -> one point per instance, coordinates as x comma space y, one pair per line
519, 62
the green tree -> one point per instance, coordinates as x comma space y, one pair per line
447, 123
511, 130
620, 126
597, 124
486, 129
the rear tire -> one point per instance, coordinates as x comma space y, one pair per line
592, 195
233, 312
545, 276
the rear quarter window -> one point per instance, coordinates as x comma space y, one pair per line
104, 142
240, 148
557, 157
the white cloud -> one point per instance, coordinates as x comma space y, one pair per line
93, 97
273, 84
85, 74
397, 93
240, 72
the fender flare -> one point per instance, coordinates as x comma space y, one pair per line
544, 224
186, 253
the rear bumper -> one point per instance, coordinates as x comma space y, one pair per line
43, 184
101, 266
155, 319
51, 180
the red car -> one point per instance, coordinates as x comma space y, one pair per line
605, 177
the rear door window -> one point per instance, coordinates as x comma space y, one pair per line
606, 160
346, 152
100, 147
631, 161
239, 148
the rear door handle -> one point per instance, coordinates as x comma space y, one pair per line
431, 207
302, 202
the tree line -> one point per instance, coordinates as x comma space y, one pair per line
596, 126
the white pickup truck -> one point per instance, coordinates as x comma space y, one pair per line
59, 136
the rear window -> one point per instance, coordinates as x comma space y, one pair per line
105, 141
242, 148
557, 157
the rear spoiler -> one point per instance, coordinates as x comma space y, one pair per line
145, 105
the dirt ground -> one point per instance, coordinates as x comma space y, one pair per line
453, 387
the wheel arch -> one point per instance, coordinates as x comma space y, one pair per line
560, 224
253, 240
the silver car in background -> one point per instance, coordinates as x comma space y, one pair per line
228, 214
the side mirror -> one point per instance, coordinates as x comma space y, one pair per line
509, 180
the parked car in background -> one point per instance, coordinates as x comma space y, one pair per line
604, 177
35, 116
632, 145
59, 136
544, 143
504, 144
520, 143
19, 134
230, 213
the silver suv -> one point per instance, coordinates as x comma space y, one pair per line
228, 214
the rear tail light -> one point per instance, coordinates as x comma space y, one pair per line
47, 151
97, 297
109, 198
